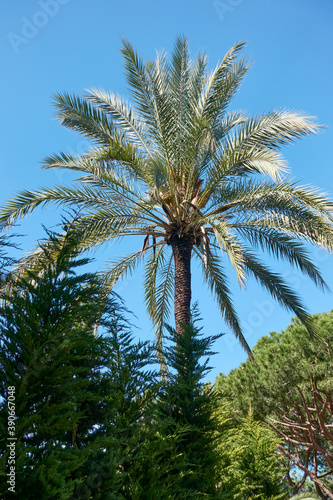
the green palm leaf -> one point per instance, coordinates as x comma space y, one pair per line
122, 115
159, 284
278, 288
218, 284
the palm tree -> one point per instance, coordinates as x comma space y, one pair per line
190, 178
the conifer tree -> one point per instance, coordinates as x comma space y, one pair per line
187, 407
133, 462
249, 467
290, 388
6, 261
51, 357
85, 425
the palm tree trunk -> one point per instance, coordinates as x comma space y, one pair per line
182, 248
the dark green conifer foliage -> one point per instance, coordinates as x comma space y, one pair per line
137, 458
51, 357
86, 425
187, 407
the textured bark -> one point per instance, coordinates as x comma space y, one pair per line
181, 248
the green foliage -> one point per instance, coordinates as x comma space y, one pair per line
86, 404
249, 467
6, 262
141, 454
282, 361
287, 385
51, 357
187, 406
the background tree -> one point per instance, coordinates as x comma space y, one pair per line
189, 177
289, 385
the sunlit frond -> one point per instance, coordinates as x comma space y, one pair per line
123, 115
280, 245
280, 196
223, 84
140, 88
26, 201
77, 114
274, 129
228, 243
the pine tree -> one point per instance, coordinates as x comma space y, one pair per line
139, 454
51, 358
289, 387
187, 407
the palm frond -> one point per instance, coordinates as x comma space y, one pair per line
108, 224
218, 284
77, 114
26, 201
120, 268
230, 164
179, 90
159, 287
275, 129
138, 79
227, 124
223, 84
197, 81
228, 242
99, 167
280, 245
164, 115
304, 225
279, 289
123, 115
281, 196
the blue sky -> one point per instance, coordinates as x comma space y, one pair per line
50, 46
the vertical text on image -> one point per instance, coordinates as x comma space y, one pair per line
11, 462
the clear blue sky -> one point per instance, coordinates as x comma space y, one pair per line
70, 45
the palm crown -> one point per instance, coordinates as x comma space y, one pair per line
189, 177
